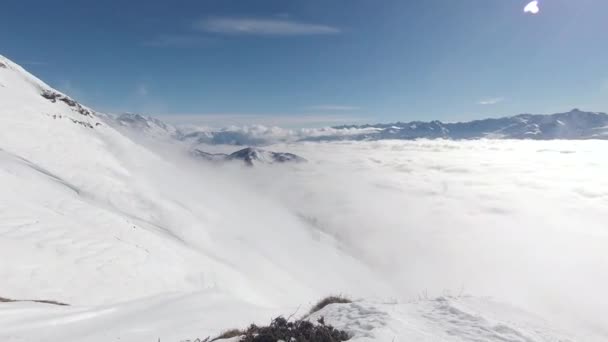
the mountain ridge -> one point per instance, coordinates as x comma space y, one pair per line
575, 125
251, 156
572, 125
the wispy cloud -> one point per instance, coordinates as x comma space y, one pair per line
604, 85
72, 90
490, 101
329, 107
284, 120
177, 40
141, 90
267, 27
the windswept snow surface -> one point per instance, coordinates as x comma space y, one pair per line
440, 319
146, 242
187, 317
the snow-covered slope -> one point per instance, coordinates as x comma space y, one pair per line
441, 319
88, 216
177, 318
71, 217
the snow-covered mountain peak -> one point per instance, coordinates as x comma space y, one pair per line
12, 71
146, 124
574, 124
576, 110
20, 89
251, 156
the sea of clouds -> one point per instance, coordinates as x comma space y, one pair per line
521, 221
525, 222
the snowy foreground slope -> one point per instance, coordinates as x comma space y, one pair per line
145, 242
187, 317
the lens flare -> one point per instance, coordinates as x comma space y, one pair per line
532, 7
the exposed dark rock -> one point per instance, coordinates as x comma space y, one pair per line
251, 156
82, 123
54, 97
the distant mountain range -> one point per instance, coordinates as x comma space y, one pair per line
572, 125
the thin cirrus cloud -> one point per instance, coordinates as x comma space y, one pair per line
604, 85
286, 120
491, 101
141, 90
263, 27
177, 40
330, 107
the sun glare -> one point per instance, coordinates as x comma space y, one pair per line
532, 7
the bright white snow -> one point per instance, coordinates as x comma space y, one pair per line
145, 242
187, 317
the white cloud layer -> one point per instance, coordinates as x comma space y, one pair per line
491, 101
177, 41
141, 90
330, 107
522, 221
288, 120
266, 135
257, 26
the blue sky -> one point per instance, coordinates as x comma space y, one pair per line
318, 61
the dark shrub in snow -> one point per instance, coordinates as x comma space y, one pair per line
299, 331
54, 302
229, 334
329, 300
